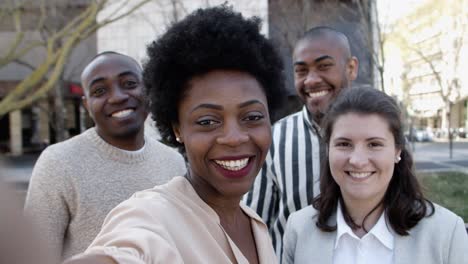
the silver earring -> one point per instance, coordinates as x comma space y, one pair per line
397, 159
178, 139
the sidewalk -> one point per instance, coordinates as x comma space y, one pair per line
435, 156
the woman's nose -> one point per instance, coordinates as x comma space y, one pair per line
233, 135
358, 158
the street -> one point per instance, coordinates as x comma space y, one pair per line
435, 156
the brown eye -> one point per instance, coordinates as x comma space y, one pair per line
325, 66
130, 84
207, 122
375, 144
300, 71
98, 91
254, 117
342, 144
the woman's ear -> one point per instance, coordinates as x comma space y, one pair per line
398, 156
176, 130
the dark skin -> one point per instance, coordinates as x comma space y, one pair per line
246, 244
114, 99
224, 117
323, 66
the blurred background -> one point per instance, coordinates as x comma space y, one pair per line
414, 50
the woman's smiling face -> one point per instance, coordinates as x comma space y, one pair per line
225, 127
362, 155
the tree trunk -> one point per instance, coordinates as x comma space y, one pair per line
60, 113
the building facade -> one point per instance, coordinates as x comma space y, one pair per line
430, 50
33, 128
283, 21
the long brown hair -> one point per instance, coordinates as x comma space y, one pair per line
404, 202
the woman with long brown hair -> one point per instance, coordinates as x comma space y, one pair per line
371, 208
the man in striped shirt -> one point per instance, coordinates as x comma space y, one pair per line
289, 179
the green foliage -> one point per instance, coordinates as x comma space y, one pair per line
449, 189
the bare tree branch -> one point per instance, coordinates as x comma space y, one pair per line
14, 50
24, 64
58, 46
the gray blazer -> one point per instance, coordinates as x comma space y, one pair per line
438, 239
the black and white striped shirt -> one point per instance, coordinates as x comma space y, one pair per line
289, 178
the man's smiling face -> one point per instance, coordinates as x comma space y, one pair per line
114, 96
322, 68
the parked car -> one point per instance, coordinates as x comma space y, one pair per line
420, 135
423, 135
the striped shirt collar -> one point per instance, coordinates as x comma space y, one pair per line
310, 123
381, 230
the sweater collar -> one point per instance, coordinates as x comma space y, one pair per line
109, 151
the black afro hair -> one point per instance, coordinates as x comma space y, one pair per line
209, 39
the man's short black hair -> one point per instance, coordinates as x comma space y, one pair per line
104, 53
209, 39
110, 52
321, 31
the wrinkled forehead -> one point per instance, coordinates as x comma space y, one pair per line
109, 66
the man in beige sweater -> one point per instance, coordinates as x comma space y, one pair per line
75, 183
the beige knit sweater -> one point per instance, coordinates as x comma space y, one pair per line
75, 184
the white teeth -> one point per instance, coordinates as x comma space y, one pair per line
123, 113
233, 165
318, 94
359, 175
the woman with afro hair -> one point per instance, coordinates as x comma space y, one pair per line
213, 82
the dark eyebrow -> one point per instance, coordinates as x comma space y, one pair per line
100, 79
341, 138
209, 106
128, 73
376, 138
369, 139
300, 63
324, 57
219, 107
317, 60
250, 102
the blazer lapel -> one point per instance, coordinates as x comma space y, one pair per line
323, 252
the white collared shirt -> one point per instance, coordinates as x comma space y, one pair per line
374, 247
